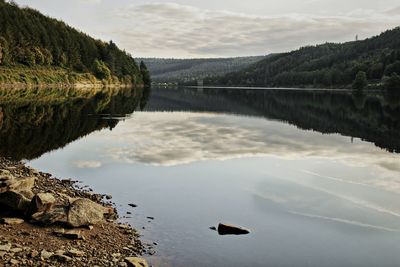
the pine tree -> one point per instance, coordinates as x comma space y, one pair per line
360, 82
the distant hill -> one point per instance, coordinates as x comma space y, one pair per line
184, 70
326, 65
32, 44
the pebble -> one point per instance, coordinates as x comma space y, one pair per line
16, 250
5, 247
46, 254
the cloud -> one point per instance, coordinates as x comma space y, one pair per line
394, 12
87, 164
170, 139
161, 29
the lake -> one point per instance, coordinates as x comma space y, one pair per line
314, 175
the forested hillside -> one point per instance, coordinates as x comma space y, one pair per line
184, 70
34, 42
328, 65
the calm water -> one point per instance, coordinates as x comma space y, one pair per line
314, 175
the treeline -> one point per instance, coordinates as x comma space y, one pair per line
328, 65
31, 39
165, 70
62, 112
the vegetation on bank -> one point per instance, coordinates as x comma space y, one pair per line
36, 49
329, 66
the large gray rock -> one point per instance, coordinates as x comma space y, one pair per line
8, 182
84, 212
81, 212
58, 214
15, 192
41, 202
15, 201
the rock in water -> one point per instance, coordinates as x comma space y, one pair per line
227, 229
84, 212
136, 262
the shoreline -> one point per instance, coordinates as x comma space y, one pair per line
65, 85
24, 243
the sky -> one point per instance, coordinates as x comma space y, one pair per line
222, 28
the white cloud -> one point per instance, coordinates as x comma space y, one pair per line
87, 164
161, 29
169, 139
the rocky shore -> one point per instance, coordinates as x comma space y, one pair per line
45, 221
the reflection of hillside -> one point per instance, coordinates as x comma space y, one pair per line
33, 123
372, 118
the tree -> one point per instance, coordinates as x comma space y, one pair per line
392, 83
145, 74
4, 53
101, 71
360, 82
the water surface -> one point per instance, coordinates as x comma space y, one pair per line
313, 175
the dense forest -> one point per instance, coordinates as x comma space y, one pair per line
184, 70
372, 116
375, 61
35, 121
30, 40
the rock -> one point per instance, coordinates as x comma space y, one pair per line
124, 226
16, 250
45, 255
14, 262
41, 202
14, 200
27, 193
136, 262
5, 247
18, 184
57, 214
12, 221
71, 234
61, 258
59, 252
75, 253
84, 212
213, 228
34, 253
67, 181
227, 229
150, 218
132, 205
